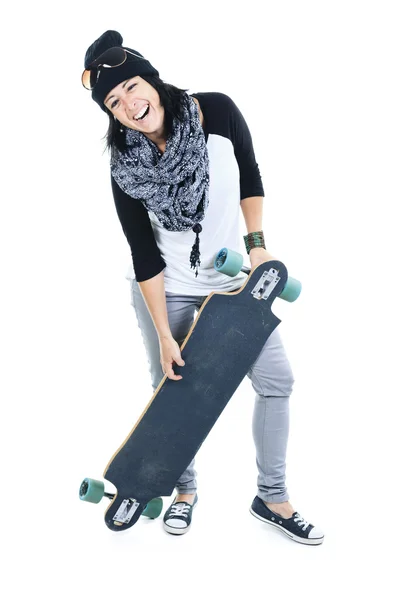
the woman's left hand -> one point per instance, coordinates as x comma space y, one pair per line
259, 256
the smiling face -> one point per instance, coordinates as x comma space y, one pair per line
136, 104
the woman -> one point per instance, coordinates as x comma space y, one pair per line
182, 167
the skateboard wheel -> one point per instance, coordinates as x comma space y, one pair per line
153, 508
91, 490
228, 262
291, 290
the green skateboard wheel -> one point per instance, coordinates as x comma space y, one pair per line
291, 290
91, 490
228, 262
153, 508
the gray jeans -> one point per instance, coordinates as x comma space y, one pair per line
272, 380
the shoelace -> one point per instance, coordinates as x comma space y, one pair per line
301, 522
179, 510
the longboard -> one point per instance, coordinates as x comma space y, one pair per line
223, 343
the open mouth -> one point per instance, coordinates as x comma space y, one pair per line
142, 114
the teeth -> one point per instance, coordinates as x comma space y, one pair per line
141, 112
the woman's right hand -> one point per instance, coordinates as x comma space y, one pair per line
169, 354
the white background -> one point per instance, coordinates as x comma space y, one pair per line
318, 83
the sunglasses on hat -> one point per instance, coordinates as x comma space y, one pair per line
113, 57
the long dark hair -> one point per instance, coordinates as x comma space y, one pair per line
171, 98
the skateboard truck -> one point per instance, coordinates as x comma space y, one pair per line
265, 285
230, 263
92, 490
126, 511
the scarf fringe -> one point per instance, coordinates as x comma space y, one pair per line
195, 253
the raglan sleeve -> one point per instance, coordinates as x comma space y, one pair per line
135, 221
250, 177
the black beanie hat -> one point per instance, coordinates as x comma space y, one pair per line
111, 77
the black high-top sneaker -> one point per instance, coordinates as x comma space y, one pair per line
296, 527
178, 517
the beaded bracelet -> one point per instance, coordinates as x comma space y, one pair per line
254, 240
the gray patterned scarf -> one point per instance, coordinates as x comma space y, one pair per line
174, 185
